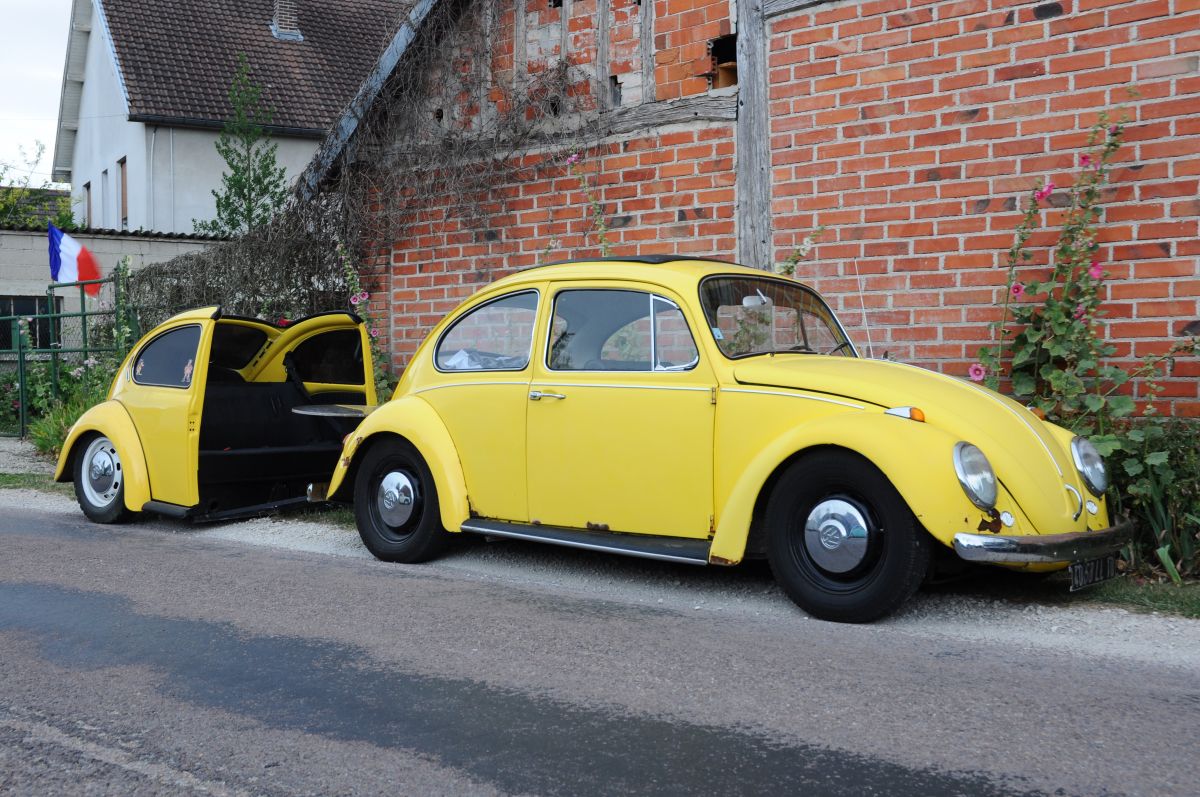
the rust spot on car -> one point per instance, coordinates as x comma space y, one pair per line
597, 526
991, 523
720, 560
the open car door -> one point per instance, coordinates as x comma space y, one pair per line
264, 432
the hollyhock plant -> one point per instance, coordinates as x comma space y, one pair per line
1096, 272
1017, 290
1044, 192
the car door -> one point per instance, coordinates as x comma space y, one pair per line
165, 407
478, 384
328, 354
621, 416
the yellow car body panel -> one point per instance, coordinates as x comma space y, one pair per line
416, 421
111, 419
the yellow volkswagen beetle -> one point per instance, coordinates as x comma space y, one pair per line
695, 411
212, 416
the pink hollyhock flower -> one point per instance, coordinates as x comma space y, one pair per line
573, 159
1085, 161
1080, 311
374, 333
282, 322
1112, 131
354, 299
976, 372
1018, 290
362, 297
1096, 272
1043, 192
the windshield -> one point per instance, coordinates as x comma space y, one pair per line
758, 315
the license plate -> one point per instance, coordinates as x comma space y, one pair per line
1093, 571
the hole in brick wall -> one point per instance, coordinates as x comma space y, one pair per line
554, 105
1047, 10
439, 114
614, 91
723, 51
556, 3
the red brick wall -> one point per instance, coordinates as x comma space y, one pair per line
662, 194
908, 129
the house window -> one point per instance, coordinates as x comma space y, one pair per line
104, 198
123, 188
87, 205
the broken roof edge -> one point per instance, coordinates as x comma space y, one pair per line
335, 142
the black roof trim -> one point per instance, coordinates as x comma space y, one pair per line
654, 260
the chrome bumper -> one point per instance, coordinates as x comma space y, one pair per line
1071, 547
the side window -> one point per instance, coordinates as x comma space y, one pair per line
331, 357
169, 360
495, 337
618, 330
674, 348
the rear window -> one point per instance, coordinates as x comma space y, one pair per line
235, 345
331, 357
169, 360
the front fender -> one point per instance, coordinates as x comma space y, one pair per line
915, 457
415, 420
111, 419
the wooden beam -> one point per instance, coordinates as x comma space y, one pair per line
602, 32
701, 108
753, 208
646, 41
773, 8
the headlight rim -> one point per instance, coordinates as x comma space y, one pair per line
1077, 459
960, 471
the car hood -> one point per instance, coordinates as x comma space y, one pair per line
1029, 459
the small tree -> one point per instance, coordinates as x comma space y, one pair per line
255, 186
22, 203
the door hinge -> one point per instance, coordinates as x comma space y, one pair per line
712, 525
712, 395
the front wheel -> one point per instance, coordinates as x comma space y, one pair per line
396, 505
841, 541
100, 481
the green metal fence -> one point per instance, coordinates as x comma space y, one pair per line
48, 356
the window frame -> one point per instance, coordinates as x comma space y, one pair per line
437, 346
653, 369
140, 352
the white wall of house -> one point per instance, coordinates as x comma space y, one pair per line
171, 172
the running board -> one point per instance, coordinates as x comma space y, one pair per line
665, 549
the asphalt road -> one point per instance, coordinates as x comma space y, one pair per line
157, 659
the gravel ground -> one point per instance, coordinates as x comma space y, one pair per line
19, 456
747, 592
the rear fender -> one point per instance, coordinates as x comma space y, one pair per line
111, 419
413, 419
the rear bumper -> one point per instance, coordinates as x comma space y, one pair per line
1071, 547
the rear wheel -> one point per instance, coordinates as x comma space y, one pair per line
100, 481
396, 504
841, 541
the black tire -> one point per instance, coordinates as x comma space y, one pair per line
413, 532
100, 480
836, 572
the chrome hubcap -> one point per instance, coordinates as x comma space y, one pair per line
835, 535
395, 498
102, 475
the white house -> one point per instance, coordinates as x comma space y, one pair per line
145, 94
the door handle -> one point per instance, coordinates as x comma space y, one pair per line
537, 395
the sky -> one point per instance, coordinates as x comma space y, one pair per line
33, 47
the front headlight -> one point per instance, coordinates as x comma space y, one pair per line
1090, 465
975, 475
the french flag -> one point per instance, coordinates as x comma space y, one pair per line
70, 261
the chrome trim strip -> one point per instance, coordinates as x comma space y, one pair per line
522, 383
1073, 546
574, 385
510, 533
793, 395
